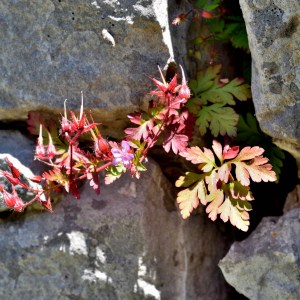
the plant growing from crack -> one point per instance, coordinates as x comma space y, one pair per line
167, 115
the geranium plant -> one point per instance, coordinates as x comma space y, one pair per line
167, 115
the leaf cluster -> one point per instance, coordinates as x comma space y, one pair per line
230, 29
225, 194
209, 88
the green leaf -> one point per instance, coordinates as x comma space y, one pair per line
204, 81
201, 3
231, 27
220, 92
114, 172
209, 88
218, 119
240, 40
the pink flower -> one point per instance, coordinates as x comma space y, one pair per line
181, 18
123, 155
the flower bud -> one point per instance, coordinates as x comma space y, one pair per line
10, 177
101, 146
65, 126
51, 149
40, 150
36, 179
206, 14
184, 91
14, 171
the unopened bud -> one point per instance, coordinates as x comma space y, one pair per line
36, 179
101, 146
10, 177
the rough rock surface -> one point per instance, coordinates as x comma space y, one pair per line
274, 37
129, 242
266, 265
52, 50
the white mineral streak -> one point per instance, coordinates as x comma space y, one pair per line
93, 276
148, 288
161, 11
77, 243
100, 255
95, 4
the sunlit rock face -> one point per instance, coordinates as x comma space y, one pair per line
266, 264
274, 40
129, 242
52, 50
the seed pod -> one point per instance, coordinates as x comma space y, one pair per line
107, 36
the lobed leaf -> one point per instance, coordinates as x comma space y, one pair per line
114, 173
34, 121
216, 200
219, 119
197, 156
229, 210
189, 198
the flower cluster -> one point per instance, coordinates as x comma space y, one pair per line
69, 163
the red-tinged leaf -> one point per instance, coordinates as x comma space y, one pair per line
217, 147
249, 153
189, 198
224, 172
216, 200
212, 180
257, 169
58, 176
34, 121
177, 102
230, 153
94, 181
238, 217
197, 156
177, 141
52, 175
219, 119
152, 136
114, 172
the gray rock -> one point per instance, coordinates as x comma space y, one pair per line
52, 50
266, 264
274, 37
129, 242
